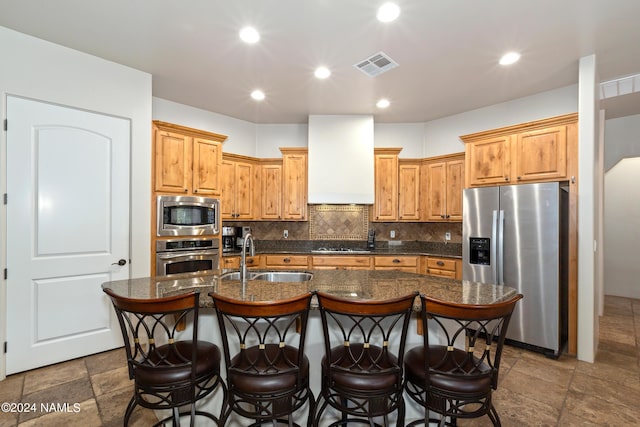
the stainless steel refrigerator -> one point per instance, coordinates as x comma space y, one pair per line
517, 236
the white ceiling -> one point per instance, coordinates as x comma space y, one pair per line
447, 51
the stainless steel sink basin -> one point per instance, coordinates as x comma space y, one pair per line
270, 276
283, 276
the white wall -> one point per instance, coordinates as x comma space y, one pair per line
442, 136
409, 136
242, 134
40, 70
622, 207
622, 229
622, 140
271, 137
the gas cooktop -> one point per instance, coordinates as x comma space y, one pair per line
330, 250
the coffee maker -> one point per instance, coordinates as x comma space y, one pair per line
229, 239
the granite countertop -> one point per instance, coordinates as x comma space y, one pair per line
356, 284
308, 247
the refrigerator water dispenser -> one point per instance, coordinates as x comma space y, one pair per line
480, 250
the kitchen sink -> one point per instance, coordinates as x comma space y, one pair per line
270, 276
283, 276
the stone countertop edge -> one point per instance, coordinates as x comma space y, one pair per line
355, 284
440, 251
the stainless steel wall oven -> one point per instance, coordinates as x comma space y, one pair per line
177, 256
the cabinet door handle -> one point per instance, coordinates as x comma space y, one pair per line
440, 263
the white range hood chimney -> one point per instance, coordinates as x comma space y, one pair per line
341, 159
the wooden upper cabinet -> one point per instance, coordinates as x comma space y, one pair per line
489, 161
237, 182
385, 207
409, 190
443, 181
172, 162
271, 190
207, 158
530, 152
294, 183
541, 154
186, 160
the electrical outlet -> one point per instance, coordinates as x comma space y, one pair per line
285, 234
447, 236
392, 234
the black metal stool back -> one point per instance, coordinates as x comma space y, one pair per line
267, 370
168, 372
362, 370
455, 371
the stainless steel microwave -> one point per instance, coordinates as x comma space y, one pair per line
188, 216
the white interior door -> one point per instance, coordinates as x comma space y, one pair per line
67, 227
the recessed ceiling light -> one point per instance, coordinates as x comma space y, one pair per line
322, 72
249, 35
258, 95
509, 58
388, 12
383, 103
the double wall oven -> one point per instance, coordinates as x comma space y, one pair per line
188, 230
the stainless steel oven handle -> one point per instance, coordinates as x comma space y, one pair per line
178, 254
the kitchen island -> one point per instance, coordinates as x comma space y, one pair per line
356, 284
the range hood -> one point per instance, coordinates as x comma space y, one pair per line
341, 159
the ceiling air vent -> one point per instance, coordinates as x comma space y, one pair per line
376, 64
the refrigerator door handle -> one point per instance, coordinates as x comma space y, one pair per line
500, 268
493, 255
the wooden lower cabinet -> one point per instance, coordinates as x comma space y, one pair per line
407, 263
443, 267
233, 262
285, 262
332, 262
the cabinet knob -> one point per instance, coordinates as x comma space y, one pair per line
396, 261
518, 178
287, 260
506, 178
195, 190
186, 190
440, 263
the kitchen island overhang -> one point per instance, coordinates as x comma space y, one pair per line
356, 284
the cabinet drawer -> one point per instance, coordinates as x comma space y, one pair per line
441, 264
286, 261
441, 273
337, 262
396, 261
234, 261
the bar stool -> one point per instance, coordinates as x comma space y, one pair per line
268, 374
168, 372
362, 370
456, 370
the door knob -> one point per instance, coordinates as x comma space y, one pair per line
120, 262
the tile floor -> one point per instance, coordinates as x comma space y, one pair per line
533, 390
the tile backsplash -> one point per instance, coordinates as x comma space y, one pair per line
349, 222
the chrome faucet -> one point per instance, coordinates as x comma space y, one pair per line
248, 239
